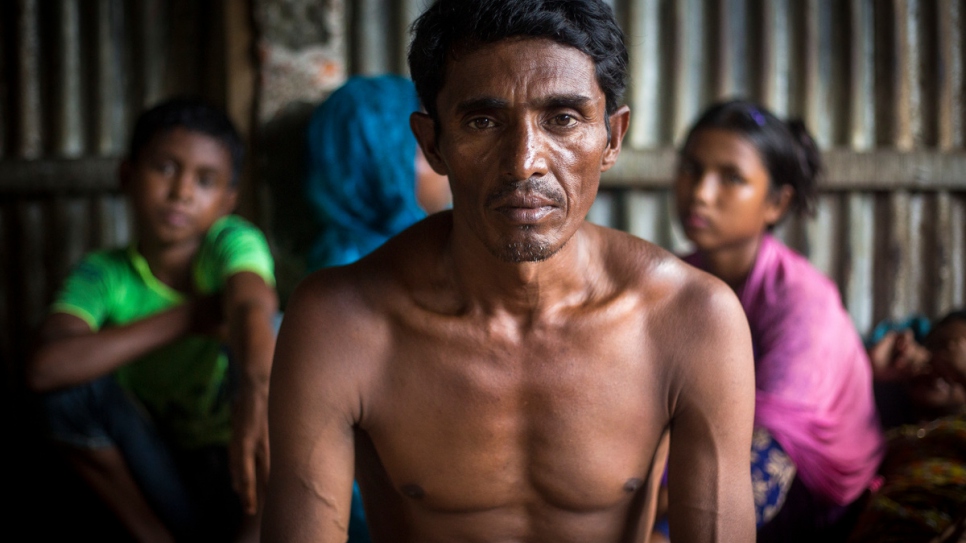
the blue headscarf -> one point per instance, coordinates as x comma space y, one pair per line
362, 168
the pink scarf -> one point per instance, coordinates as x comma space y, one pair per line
813, 376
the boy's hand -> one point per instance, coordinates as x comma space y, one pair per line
248, 450
249, 304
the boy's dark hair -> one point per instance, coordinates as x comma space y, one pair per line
451, 27
191, 114
786, 149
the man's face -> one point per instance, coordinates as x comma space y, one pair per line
523, 139
179, 185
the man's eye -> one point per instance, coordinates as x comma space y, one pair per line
564, 119
734, 179
481, 123
206, 180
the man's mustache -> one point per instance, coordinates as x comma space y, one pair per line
534, 185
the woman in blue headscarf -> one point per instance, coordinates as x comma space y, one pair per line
367, 181
362, 172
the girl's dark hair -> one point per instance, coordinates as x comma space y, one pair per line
787, 150
191, 114
450, 26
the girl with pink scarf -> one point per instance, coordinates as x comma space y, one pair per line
818, 442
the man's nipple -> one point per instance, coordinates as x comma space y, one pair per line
632, 485
415, 492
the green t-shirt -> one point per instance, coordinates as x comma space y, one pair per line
184, 384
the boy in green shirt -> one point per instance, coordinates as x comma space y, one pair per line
137, 384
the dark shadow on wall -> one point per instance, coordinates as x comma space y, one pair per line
281, 161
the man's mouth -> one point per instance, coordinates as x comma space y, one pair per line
525, 207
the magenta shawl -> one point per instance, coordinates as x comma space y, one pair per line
812, 374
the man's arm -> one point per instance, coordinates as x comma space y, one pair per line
315, 401
713, 398
250, 304
70, 353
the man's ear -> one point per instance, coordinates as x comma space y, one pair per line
424, 128
619, 120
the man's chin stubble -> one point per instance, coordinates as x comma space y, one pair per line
520, 252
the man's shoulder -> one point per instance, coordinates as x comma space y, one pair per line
400, 265
682, 301
655, 270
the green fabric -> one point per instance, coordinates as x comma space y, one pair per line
184, 384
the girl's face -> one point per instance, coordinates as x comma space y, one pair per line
723, 193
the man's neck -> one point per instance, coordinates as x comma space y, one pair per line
528, 291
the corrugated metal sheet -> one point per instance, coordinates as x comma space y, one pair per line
880, 83
74, 74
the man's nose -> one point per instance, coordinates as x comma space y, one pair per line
525, 151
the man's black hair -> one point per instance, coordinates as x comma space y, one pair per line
191, 114
451, 27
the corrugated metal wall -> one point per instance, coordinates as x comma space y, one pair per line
74, 74
879, 82
880, 85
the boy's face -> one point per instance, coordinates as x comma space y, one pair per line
179, 185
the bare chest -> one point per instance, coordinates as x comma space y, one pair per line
567, 418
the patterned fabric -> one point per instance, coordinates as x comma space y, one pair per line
923, 498
772, 473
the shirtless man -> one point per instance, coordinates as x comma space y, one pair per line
507, 371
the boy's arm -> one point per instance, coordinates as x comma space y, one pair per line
250, 304
314, 404
709, 475
70, 353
